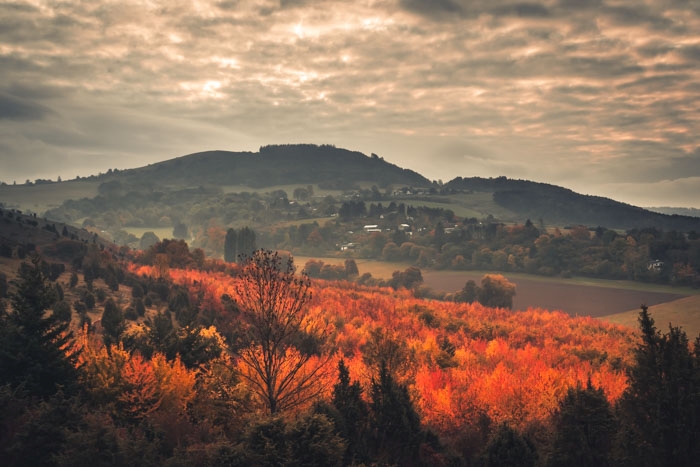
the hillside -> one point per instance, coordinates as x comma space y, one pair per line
22, 233
327, 166
163, 349
332, 171
561, 206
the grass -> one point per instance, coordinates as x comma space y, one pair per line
384, 269
297, 222
590, 282
684, 312
40, 198
161, 232
378, 269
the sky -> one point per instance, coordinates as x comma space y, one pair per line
599, 96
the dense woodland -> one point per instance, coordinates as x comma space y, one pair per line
167, 357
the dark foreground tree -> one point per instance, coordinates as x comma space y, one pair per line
309, 441
585, 430
396, 426
36, 347
660, 410
508, 448
282, 360
353, 415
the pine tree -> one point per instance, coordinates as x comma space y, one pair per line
245, 245
660, 409
239, 244
347, 399
395, 422
585, 428
112, 323
35, 347
230, 246
508, 448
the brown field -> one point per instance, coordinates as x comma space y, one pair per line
575, 299
618, 301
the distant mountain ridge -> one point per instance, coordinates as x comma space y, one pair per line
557, 205
331, 168
679, 211
325, 165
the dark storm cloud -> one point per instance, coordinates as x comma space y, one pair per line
691, 52
17, 108
228, 4
580, 4
433, 8
523, 10
443, 9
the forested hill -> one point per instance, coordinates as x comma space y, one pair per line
561, 206
325, 165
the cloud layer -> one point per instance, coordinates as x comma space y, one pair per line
598, 96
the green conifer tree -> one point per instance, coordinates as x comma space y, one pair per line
112, 323
35, 346
508, 448
585, 429
231, 246
660, 409
347, 399
395, 423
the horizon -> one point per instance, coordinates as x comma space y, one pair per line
597, 97
60, 179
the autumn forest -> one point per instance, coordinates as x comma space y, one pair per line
166, 357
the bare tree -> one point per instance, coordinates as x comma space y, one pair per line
284, 359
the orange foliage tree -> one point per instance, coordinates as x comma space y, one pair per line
460, 361
284, 358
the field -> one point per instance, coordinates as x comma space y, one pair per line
616, 301
684, 312
574, 298
40, 198
161, 232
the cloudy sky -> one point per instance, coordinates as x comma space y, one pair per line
600, 96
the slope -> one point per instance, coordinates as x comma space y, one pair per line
328, 166
561, 206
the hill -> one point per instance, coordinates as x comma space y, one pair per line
325, 165
22, 233
680, 211
561, 206
180, 340
287, 192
